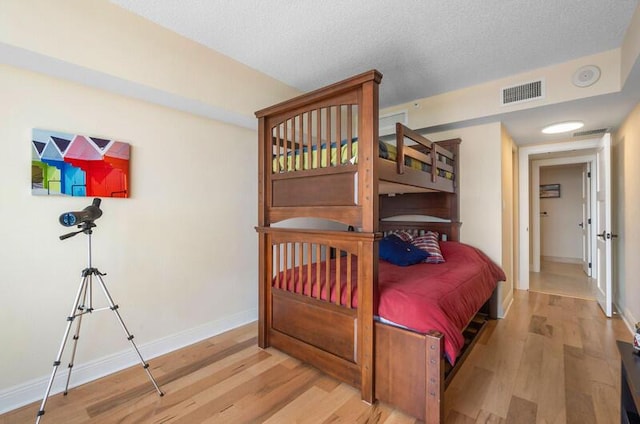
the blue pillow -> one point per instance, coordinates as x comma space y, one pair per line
399, 252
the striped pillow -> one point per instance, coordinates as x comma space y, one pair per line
403, 235
429, 243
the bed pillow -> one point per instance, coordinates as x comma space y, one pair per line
403, 235
399, 252
429, 243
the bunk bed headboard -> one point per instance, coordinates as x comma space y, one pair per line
316, 167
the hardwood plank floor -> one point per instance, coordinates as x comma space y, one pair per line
552, 360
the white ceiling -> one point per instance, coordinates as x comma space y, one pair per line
423, 47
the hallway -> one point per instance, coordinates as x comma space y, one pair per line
564, 279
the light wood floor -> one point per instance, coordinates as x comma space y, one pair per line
563, 279
552, 360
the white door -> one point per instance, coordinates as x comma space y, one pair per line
603, 225
586, 219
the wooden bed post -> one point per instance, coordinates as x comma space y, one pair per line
368, 201
264, 244
434, 403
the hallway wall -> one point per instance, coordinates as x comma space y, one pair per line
626, 210
560, 236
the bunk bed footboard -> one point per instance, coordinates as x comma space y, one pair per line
316, 333
410, 371
316, 300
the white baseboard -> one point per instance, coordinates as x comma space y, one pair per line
505, 306
627, 318
31, 391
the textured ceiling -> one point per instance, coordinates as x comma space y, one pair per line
423, 47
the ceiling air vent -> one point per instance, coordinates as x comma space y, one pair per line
590, 132
523, 92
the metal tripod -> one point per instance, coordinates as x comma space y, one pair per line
82, 305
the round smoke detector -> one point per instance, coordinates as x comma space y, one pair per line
586, 76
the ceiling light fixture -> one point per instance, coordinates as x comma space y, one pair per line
563, 127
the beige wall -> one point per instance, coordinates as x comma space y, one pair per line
508, 212
560, 236
101, 36
630, 49
626, 200
486, 189
516, 216
180, 253
480, 186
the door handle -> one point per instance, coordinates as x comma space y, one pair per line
607, 236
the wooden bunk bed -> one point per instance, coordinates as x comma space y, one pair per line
320, 157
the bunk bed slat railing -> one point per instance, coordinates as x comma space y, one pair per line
327, 149
434, 164
431, 158
308, 132
350, 131
315, 270
331, 148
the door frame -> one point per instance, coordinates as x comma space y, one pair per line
524, 154
587, 230
604, 275
535, 201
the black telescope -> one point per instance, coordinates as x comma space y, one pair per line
88, 214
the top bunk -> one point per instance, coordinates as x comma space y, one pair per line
320, 156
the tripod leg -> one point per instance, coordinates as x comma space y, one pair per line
56, 363
114, 308
83, 308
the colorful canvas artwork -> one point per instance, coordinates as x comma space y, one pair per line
78, 165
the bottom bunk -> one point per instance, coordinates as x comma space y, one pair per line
320, 301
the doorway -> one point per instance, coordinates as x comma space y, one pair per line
564, 230
529, 192
529, 219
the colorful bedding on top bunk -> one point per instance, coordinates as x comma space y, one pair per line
421, 297
294, 161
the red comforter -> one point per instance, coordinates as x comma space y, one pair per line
422, 297
442, 297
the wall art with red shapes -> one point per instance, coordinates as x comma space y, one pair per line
65, 164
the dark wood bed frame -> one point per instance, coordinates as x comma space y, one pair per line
397, 366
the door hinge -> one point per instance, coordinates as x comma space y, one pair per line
589, 221
589, 174
589, 265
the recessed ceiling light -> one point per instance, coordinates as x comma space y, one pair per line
563, 127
